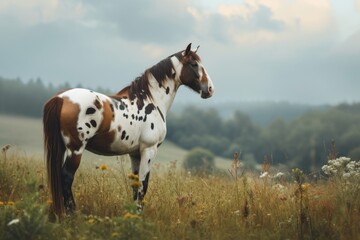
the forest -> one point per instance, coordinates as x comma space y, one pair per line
303, 141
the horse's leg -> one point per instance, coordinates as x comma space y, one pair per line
147, 155
135, 165
68, 171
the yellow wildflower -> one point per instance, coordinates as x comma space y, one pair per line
1, 203
305, 186
136, 184
114, 234
91, 221
133, 176
10, 203
104, 167
131, 216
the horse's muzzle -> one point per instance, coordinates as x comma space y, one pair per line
208, 93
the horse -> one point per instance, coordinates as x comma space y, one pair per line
133, 122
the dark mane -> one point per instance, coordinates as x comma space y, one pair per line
139, 88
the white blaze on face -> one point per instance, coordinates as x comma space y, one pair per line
210, 83
207, 86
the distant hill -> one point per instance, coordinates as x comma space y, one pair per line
262, 113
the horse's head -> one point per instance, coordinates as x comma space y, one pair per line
190, 71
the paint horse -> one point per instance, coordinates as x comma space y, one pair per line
131, 122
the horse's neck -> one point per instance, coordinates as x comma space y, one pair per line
163, 95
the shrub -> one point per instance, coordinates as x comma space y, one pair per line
199, 160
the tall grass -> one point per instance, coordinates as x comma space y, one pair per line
178, 205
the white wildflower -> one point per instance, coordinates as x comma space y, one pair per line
342, 167
14, 221
346, 175
264, 175
279, 175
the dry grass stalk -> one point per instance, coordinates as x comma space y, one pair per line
332, 154
235, 166
266, 164
4, 149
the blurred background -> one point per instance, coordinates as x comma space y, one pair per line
286, 73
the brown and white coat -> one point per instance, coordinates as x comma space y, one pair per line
131, 122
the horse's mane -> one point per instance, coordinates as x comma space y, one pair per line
139, 88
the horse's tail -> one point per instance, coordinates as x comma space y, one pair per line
54, 152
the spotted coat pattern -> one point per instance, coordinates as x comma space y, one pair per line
131, 122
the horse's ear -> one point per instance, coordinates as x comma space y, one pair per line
188, 49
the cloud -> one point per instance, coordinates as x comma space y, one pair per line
147, 21
32, 12
274, 20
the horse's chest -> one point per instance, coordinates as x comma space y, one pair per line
135, 128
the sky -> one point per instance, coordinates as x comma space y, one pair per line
300, 51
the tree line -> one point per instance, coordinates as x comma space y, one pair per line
27, 99
302, 142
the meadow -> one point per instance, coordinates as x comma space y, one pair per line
179, 204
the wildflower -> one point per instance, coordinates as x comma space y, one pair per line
1, 203
305, 186
279, 175
264, 175
10, 203
346, 175
14, 221
114, 234
131, 216
91, 221
133, 176
136, 184
298, 175
342, 167
104, 167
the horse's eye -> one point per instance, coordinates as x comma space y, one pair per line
194, 64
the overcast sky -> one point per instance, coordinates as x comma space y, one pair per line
304, 51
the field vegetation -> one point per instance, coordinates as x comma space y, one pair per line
179, 204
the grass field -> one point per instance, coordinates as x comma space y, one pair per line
179, 204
